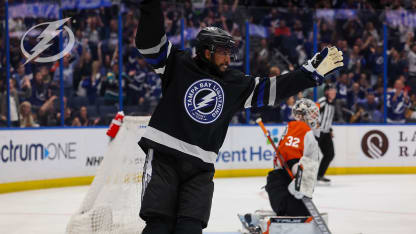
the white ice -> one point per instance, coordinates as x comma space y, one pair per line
367, 204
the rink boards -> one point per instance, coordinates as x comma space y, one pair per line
39, 158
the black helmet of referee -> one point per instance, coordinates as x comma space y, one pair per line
211, 38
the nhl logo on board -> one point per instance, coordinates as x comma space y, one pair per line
204, 101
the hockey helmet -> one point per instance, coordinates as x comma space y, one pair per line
308, 111
211, 38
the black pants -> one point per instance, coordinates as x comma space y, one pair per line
327, 147
282, 202
176, 194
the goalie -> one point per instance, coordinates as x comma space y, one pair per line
301, 152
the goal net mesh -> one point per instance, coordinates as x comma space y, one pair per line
112, 203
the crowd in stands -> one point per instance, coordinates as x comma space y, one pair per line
281, 39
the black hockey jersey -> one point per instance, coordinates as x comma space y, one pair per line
193, 115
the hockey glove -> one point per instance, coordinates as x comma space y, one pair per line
323, 63
304, 182
292, 188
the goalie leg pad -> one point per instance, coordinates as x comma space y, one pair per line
280, 199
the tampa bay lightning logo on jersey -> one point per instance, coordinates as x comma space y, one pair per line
204, 101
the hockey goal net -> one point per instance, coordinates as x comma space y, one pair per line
112, 203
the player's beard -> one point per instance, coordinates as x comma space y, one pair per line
223, 67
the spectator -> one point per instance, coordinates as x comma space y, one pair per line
325, 32
262, 59
27, 118
68, 75
45, 74
396, 66
361, 116
47, 112
85, 72
91, 83
154, 85
82, 118
367, 111
40, 90
110, 85
298, 32
397, 103
19, 75
25, 91
238, 61
341, 101
14, 105
92, 30
355, 95
370, 30
355, 59
112, 41
352, 30
68, 117
376, 63
282, 30
363, 82
286, 110
372, 105
411, 112
411, 57
136, 86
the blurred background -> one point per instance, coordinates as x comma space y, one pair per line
104, 73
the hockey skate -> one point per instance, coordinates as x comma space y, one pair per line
323, 181
250, 225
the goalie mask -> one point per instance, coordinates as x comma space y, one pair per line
307, 111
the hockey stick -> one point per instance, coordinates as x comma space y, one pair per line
320, 223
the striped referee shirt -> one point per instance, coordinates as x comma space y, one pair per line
327, 111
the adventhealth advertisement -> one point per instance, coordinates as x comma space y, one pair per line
44, 154
246, 147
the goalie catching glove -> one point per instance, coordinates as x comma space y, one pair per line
324, 62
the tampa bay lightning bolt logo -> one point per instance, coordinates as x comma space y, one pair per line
204, 101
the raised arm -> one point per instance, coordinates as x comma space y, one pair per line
269, 91
151, 40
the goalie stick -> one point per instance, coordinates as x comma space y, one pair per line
320, 223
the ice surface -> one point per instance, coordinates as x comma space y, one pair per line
379, 204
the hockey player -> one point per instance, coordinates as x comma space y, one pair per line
188, 127
300, 151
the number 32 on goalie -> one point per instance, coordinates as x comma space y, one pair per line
292, 141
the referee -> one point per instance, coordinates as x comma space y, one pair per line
324, 133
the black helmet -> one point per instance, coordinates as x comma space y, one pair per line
212, 37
